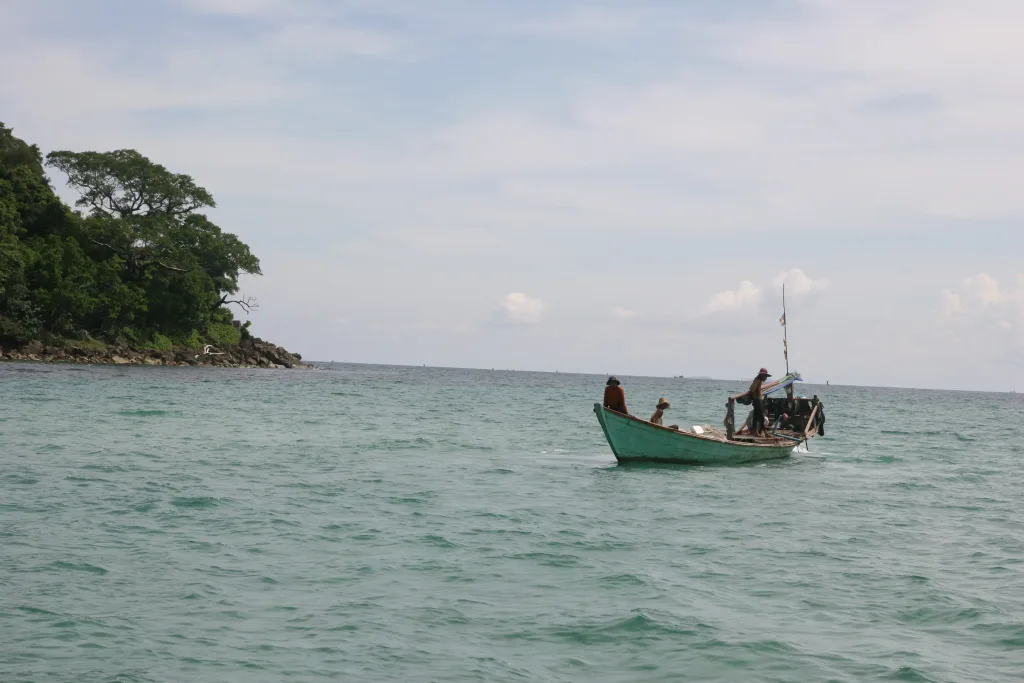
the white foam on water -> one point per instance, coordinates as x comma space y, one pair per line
802, 451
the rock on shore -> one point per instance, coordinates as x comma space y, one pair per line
250, 353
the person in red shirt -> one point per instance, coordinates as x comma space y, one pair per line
615, 396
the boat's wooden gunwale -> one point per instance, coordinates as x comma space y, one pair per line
743, 441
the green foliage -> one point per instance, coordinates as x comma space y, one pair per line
90, 344
158, 343
192, 341
15, 152
223, 335
124, 183
140, 266
86, 343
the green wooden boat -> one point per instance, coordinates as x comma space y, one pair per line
789, 421
635, 440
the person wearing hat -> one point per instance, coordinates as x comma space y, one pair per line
757, 401
615, 396
659, 411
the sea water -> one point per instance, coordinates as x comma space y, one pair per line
366, 523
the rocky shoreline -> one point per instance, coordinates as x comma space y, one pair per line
250, 353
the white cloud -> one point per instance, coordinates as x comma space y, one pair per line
623, 313
317, 42
743, 297
184, 79
243, 8
582, 23
848, 109
798, 283
521, 308
750, 297
926, 42
951, 304
987, 313
984, 290
788, 155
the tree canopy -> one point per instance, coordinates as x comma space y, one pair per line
138, 262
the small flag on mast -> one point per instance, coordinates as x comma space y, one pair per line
782, 320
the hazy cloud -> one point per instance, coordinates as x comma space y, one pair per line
240, 8
984, 290
798, 283
985, 312
951, 304
744, 296
623, 313
319, 42
521, 308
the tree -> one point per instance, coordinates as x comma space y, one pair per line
149, 217
139, 263
15, 152
23, 197
123, 183
222, 256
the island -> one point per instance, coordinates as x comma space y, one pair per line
135, 274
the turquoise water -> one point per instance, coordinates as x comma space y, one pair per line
365, 523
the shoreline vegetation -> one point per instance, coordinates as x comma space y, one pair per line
249, 353
134, 274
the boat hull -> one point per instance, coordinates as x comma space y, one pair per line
634, 440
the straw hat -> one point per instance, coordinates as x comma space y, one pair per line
663, 403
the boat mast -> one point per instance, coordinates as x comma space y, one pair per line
785, 329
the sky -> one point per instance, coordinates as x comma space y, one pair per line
601, 186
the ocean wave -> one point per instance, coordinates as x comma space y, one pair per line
147, 412
391, 444
623, 580
640, 627
79, 567
549, 559
909, 674
196, 502
439, 541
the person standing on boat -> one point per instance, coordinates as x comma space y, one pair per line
757, 401
615, 396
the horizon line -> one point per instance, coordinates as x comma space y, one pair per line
317, 363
